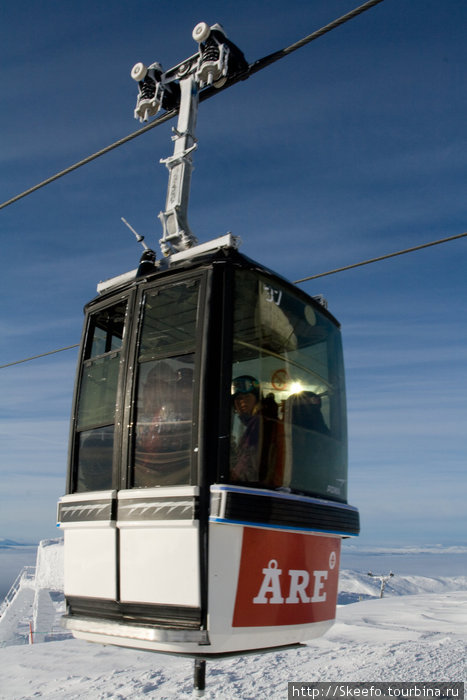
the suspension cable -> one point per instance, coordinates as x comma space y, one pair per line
381, 257
204, 95
277, 55
36, 357
304, 279
160, 120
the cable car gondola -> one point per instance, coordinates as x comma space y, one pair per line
206, 493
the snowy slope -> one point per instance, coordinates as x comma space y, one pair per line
399, 638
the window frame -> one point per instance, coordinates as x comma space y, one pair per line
131, 385
94, 307
213, 349
340, 425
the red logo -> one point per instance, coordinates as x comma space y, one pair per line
286, 578
280, 379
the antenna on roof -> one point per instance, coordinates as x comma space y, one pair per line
147, 261
139, 238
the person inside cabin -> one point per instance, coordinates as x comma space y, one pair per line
256, 448
304, 411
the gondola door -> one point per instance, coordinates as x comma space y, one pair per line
157, 522
87, 513
131, 513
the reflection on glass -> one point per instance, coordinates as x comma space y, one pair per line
169, 322
162, 439
294, 435
162, 444
98, 390
94, 468
97, 399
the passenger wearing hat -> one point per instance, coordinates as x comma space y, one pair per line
246, 404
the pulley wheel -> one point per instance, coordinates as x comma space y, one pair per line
201, 32
138, 72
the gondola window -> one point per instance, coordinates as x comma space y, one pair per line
162, 441
97, 399
294, 435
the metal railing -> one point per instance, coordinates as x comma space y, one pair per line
27, 573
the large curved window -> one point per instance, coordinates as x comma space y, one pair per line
288, 403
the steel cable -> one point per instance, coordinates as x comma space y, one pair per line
204, 95
300, 281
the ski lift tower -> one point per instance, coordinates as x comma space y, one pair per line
383, 580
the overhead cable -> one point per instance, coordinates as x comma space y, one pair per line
36, 357
204, 95
304, 279
277, 55
381, 257
103, 151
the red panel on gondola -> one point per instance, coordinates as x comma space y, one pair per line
286, 578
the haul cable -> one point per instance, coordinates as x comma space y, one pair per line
204, 95
300, 281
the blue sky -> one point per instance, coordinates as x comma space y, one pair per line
353, 147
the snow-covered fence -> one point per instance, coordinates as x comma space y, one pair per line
35, 601
25, 576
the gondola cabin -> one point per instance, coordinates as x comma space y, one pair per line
207, 484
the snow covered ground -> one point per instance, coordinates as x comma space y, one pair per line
355, 586
405, 638
416, 633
